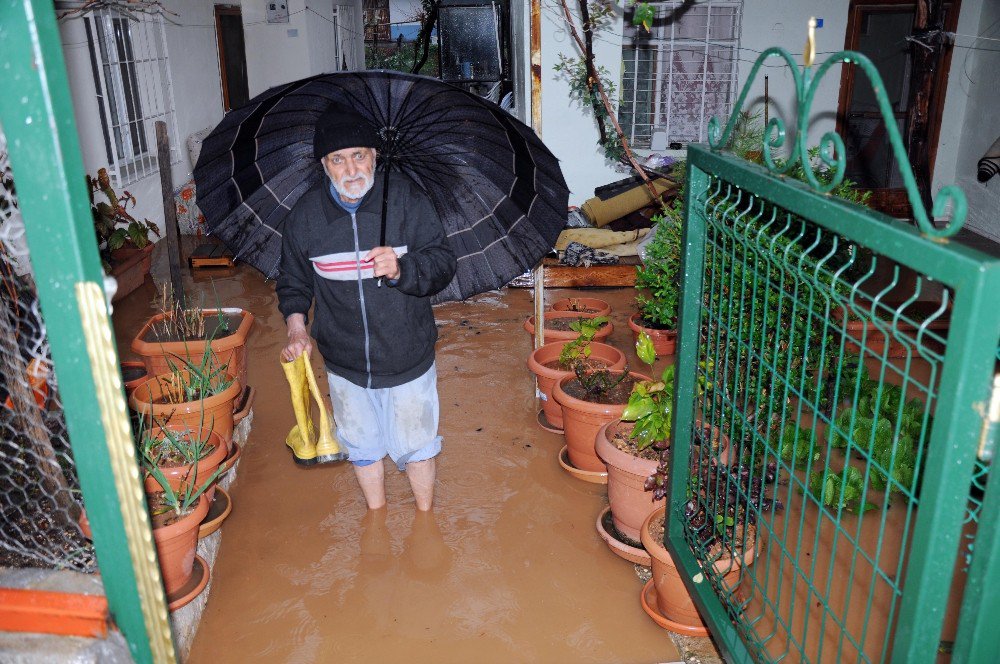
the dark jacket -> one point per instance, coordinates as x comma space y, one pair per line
374, 337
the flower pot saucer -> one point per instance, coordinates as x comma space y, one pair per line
617, 544
543, 422
594, 477
220, 508
199, 579
648, 599
243, 403
235, 451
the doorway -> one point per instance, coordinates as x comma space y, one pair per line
879, 29
232, 56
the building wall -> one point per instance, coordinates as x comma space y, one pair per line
276, 53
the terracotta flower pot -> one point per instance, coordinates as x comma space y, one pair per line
177, 475
147, 400
133, 375
568, 335
176, 544
582, 305
664, 341
230, 349
630, 502
581, 421
547, 377
865, 331
672, 597
130, 269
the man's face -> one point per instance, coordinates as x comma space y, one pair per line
351, 171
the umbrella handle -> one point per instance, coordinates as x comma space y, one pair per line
385, 207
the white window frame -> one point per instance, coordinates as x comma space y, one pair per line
663, 47
128, 57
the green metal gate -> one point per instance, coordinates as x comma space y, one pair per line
36, 116
833, 433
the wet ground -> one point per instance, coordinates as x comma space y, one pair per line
507, 568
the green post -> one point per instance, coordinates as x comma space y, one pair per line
37, 118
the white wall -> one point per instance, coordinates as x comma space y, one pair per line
568, 129
973, 81
276, 53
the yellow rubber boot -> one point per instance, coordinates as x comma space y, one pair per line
328, 448
300, 439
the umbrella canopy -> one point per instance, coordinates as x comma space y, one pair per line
497, 189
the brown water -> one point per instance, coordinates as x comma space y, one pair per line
507, 568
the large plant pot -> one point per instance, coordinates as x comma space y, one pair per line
190, 473
230, 349
581, 422
630, 502
664, 341
547, 377
870, 333
130, 269
566, 335
590, 305
176, 544
213, 412
672, 598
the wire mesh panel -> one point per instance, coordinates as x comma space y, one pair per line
831, 451
40, 506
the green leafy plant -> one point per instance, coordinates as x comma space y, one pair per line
599, 382
650, 405
579, 349
659, 275
173, 448
190, 381
841, 490
797, 447
115, 227
191, 448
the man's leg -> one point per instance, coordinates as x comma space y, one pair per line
371, 477
421, 476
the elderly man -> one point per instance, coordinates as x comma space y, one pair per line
377, 339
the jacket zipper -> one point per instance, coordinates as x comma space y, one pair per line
361, 295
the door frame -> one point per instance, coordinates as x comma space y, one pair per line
226, 10
893, 201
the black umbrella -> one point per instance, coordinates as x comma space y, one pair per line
498, 190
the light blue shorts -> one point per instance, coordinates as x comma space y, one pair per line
400, 421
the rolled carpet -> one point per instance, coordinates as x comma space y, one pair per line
601, 213
989, 165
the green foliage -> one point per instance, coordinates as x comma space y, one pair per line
388, 56
881, 425
579, 348
797, 447
114, 226
151, 453
841, 490
644, 14
659, 275
650, 405
599, 382
192, 382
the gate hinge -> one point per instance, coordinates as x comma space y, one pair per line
991, 424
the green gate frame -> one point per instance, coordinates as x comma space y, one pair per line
38, 119
962, 426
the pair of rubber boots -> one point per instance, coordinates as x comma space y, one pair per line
306, 449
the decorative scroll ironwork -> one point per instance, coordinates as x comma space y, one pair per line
832, 152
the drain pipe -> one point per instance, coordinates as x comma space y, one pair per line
538, 278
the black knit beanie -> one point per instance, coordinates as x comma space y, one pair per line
342, 127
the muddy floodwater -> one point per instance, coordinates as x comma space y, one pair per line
507, 568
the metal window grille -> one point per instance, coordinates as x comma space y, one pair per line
40, 504
128, 56
682, 72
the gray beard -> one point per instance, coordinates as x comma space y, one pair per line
344, 194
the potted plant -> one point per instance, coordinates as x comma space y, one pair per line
557, 360
194, 396
583, 305
179, 331
626, 446
123, 241
558, 326
721, 516
182, 454
589, 400
918, 324
659, 276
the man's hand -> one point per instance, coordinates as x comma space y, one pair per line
298, 338
385, 262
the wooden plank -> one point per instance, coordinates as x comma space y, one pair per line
210, 255
169, 210
47, 612
564, 276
